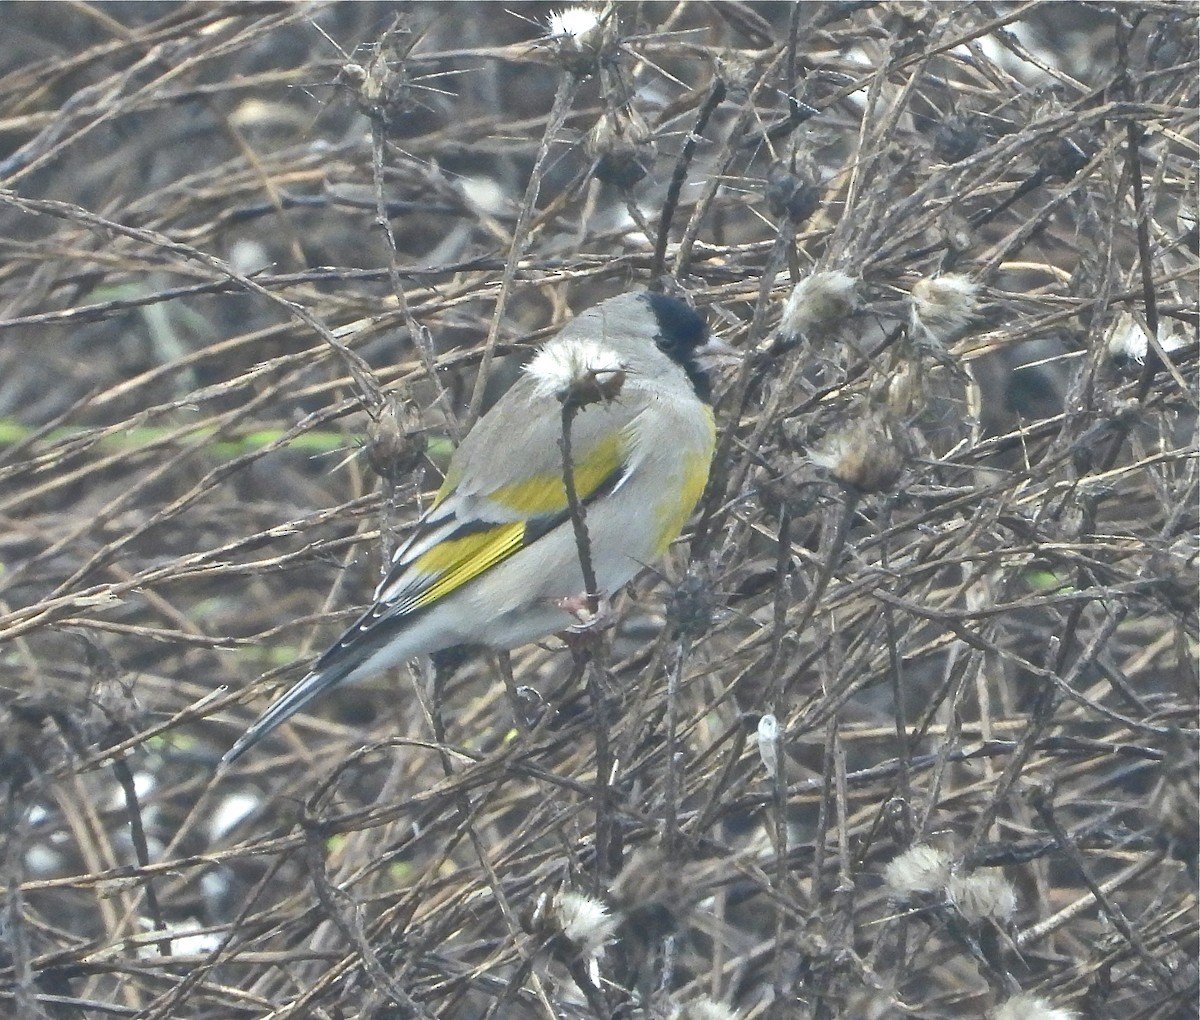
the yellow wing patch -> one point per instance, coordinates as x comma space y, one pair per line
545, 493
458, 560
455, 561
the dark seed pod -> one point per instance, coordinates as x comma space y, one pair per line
791, 195
593, 387
690, 607
866, 456
1061, 158
956, 138
394, 448
622, 147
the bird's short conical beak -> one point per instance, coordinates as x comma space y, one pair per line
716, 353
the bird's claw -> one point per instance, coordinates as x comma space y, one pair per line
591, 621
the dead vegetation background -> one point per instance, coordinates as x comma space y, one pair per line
952, 563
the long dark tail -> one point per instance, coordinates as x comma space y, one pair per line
312, 686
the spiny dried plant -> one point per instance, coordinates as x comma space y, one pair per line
906, 725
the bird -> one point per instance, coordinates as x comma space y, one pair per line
494, 561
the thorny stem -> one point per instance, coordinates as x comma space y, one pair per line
558, 114
462, 801
598, 690
578, 522
896, 667
417, 332
674, 682
715, 97
836, 543
1042, 800
1145, 264
780, 839
711, 186
596, 685
1039, 718
344, 912
137, 835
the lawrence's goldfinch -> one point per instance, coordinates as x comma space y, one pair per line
495, 555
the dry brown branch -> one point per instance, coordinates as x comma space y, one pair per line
948, 550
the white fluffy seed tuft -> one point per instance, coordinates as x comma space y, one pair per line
1129, 340
819, 300
1027, 1006
564, 365
920, 869
982, 895
586, 922
704, 1008
943, 306
572, 23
